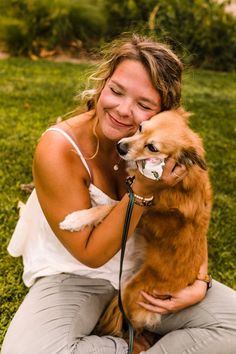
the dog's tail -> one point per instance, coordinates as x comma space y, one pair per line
111, 322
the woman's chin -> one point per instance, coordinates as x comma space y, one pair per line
116, 133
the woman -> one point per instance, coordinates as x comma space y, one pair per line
73, 275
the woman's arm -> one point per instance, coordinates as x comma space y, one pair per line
62, 186
62, 183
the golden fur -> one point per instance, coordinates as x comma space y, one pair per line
174, 228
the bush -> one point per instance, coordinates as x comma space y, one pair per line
200, 28
50, 25
203, 28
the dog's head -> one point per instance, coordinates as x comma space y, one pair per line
165, 135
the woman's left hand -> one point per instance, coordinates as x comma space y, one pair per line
186, 297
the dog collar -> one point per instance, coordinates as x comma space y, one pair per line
151, 168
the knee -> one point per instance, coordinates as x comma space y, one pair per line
98, 345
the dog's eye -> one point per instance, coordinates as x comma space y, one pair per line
151, 148
140, 128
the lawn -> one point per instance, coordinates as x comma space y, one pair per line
34, 94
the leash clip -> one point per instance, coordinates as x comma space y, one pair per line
130, 180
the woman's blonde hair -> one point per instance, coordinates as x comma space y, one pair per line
161, 63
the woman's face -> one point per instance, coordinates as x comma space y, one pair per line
127, 99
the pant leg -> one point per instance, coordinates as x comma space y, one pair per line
206, 328
57, 316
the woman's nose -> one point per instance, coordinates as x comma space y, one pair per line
125, 108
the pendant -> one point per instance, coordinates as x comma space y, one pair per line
116, 167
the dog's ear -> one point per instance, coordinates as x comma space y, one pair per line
189, 157
184, 114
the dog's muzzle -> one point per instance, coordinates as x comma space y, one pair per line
122, 148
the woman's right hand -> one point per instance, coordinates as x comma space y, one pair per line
172, 174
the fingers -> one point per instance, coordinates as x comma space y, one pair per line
179, 171
156, 305
182, 299
172, 173
151, 308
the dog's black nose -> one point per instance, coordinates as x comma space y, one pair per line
122, 148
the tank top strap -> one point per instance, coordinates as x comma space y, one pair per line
72, 142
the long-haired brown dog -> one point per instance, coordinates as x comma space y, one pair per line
174, 228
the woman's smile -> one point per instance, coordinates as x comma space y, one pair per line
118, 121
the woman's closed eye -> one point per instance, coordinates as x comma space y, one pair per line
115, 91
145, 107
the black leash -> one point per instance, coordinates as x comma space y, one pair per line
129, 210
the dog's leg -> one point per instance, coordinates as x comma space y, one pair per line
138, 316
77, 220
111, 321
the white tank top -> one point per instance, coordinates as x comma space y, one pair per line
43, 254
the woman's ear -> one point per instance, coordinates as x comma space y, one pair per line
189, 157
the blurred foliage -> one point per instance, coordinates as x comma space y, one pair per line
200, 30
29, 26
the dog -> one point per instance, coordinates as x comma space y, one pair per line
174, 229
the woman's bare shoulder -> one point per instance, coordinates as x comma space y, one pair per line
56, 159
55, 147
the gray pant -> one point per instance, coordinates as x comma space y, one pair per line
59, 313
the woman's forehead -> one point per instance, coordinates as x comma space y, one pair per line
131, 74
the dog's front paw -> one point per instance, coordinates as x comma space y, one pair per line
78, 220
74, 221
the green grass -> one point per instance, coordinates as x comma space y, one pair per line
34, 94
